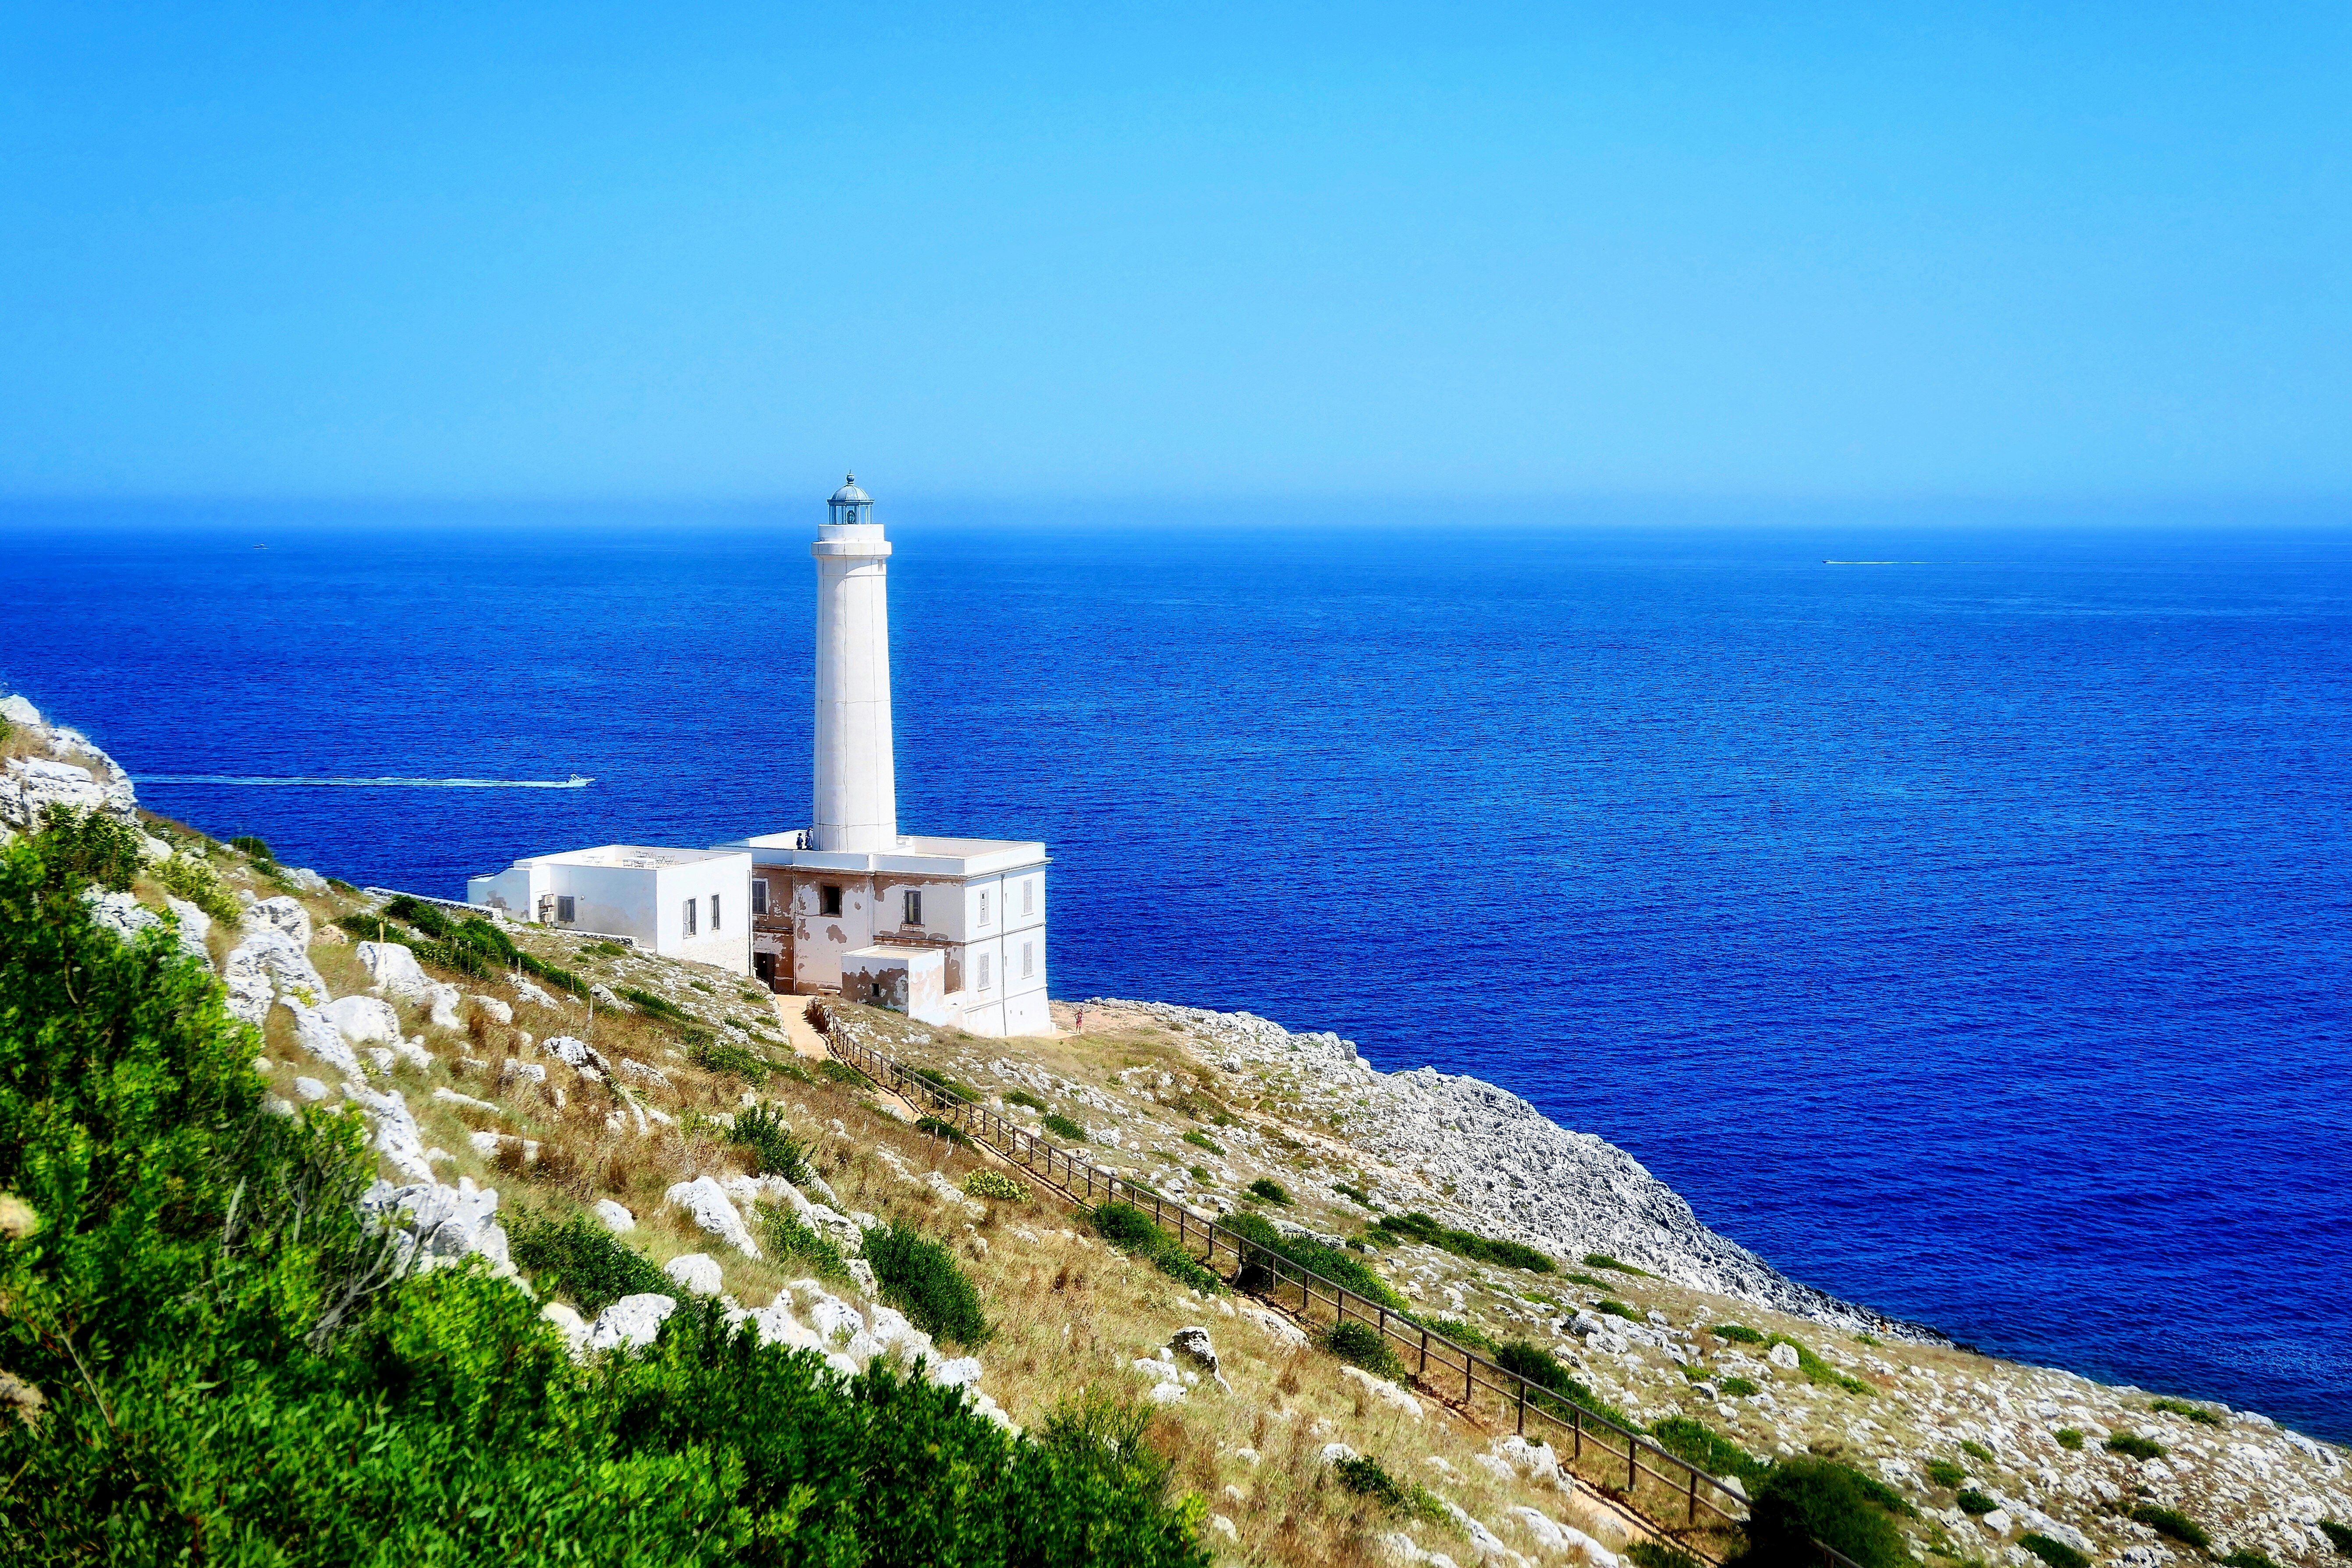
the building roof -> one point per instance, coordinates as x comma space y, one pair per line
635, 856
849, 491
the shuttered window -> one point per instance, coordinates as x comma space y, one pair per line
690, 917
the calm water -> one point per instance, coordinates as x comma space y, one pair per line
1968, 935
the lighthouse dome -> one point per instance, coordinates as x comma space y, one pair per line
850, 492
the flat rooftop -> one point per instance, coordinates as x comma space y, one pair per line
635, 856
917, 853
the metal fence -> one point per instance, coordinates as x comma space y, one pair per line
1622, 1464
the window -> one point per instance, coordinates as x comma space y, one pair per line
759, 895
1028, 959
1029, 897
564, 910
983, 971
689, 916
714, 911
983, 907
828, 900
913, 914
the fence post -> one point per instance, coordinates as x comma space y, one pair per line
1523, 1407
1632, 1462
1424, 1373
1694, 1497
1576, 1431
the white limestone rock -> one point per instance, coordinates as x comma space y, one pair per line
1785, 1357
440, 1002
630, 1323
530, 993
575, 1053
364, 1020
961, 1373
440, 1225
392, 969
320, 1038
568, 1324
697, 1272
706, 1202
309, 1089
617, 1217
1383, 1391
396, 1135
195, 928
497, 1011
281, 913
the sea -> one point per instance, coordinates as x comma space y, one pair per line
1954, 904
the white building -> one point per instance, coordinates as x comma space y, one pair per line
951, 930
681, 903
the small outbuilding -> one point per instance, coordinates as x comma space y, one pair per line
680, 903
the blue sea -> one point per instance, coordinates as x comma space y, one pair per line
1965, 925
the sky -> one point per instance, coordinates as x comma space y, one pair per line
1106, 251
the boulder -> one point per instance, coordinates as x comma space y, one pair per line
440, 1000
281, 913
440, 1225
631, 1322
1383, 1391
396, 1136
364, 1020
697, 1272
1785, 1357
266, 963
497, 1011
320, 1038
575, 1053
617, 1217
708, 1204
568, 1324
1194, 1345
393, 970
530, 993
961, 1373
195, 928
309, 1089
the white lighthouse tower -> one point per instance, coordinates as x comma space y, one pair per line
948, 930
857, 784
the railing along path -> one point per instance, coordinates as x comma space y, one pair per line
1654, 1482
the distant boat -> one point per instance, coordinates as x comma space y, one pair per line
577, 781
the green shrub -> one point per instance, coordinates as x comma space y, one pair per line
2339, 1536
2247, 1557
718, 1056
920, 1278
223, 1382
995, 1185
1061, 1126
1539, 1366
1197, 1138
1946, 1473
654, 1005
2069, 1439
1129, 1230
1700, 1445
1269, 1189
1618, 1310
944, 1084
253, 848
89, 849
2172, 1522
2131, 1445
842, 1073
1660, 1555
788, 1235
1366, 1477
1022, 1097
196, 881
2197, 1413
1739, 1387
1739, 1334
1816, 1370
1417, 1226
580, 1258
1360, 1344
1809, 1499
1331, 1262
768, 1140
1974, 1503
932, 1127
1461, 1334
1354, 1195
1976, 1450
2056, 1553
1602, 1260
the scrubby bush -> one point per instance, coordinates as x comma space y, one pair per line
1974, 1503
88, 849
252, 847
1360, 1344
1461, 1333
2197, 1413
1660, 1555
2131, 1445
1602, 1260
1061, 1126
1739, 1387
842, 1073
1368, 1477
2069, 1439
943, 1083
765, 1135
2247, 1557
1355, 1195
1816, 1370
920, 1278
2339, 1535
580, 1258
1197, 1138
1129, 1230
197, 882
1809, 1499
1331, 1262
1618, 1310
1269, 1189
994, 1185
1976, 1450
719, 1056
788, 1235
1709, 1450
1022, 1097
1539, 1366
1945, 1473
2056, 1553
1737, 1334
1417, 1226
2173, 1524
654, 1005
948, 1131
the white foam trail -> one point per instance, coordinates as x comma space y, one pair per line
575, 781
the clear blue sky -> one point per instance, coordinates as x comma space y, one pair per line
707, 251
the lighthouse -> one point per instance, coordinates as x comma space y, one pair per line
856, 797
946, 930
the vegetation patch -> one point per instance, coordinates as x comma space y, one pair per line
1367, 1477
1737, 1334
1976, 1450
580, 1258
1974, 1503
1022, 1097
1061, 1126
1462, 1243
994, 1185
1129, 1230
1602, 1260
2132, 1446
2197, 1413
1816, 1370
1700, 1445
1269, 1189
1946, 1473
842, 1073
760, 1133
920, 1278
654, 1005
1618, 1310
2056, 1553
2173, 1525
1461, 1334
788, 1235
932, 1127
1660, 1555
1197, 1138
2069, 1439
2247, 1557
197, 882
1740, 1387
1539, 1366
717, 1056
253, 848
2339, 1536
1331, 1262
1360, 1344
1355, 1195
1810, 1498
